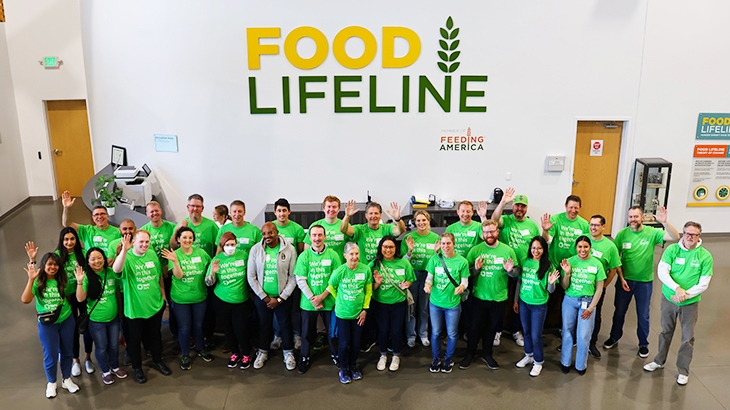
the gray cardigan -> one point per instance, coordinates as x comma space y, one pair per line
285, 262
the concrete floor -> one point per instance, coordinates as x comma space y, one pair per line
615, 381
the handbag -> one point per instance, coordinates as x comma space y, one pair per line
49, 318
83, 320
465, 294
407, 293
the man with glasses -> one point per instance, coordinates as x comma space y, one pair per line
685, 271
636, 247
100, 234
205, 229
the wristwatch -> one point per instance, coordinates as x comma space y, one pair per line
279, 300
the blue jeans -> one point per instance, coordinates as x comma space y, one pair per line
440, 318
57, 339
420, 314
533, 320
582, 328
642, 292
106, 340
390, 319
189, 316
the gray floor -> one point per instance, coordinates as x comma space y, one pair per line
616, 381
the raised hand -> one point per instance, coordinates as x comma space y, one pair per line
545, 222
184, 222
410, 243
554, 276
31, 250
479, 263
169, 255
661, 214
394, 211
509, 264
377, 278
214, 267
565, 266
79, 273
509, 195
31, 271
482, 210
66, 199
126, 242
350, 209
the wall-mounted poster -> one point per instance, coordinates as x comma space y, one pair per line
710, 178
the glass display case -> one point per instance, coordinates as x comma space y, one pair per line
650, 188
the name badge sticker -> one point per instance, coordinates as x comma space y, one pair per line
525, 232
326, 262
98, 238
626, 245
596, 253
359, 276
439, 269
239, 263
149, 265
430, 246
578, 231
592, 269
196, 259
499, 260
400, 272
471, 233
679, 261
340, 237
243, 241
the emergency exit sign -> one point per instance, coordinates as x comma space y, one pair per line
51, 62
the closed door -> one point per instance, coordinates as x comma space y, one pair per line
68, 126
597, 150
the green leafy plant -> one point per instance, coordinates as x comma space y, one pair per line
449, 45
105, 196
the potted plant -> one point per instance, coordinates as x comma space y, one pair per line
104, 195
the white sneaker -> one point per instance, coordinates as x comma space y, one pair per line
276, 343
425, 342
682, 379
51, 390
394, 364
89, 367
497, 339
297, 342
382, 362
261, 359
519, 339
536, 369
525, 361
69, 385
289, 360
650, 367
76, 369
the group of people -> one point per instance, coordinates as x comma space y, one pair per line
358, 284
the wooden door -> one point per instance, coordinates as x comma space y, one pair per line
594, 176
68, 127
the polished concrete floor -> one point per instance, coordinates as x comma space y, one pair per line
616, 381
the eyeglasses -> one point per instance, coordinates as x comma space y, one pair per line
596, 225
691, 235
195, 206
490, 232
388, 247
99, 214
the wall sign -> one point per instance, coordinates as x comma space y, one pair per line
713, 127
596, 148
710, 178
165, 143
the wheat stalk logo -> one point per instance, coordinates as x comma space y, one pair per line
449, 44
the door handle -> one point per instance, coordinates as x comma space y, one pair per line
57, 151
575, 182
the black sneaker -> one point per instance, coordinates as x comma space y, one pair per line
491, 363
467, 361
610, 343
139, 376
435, 366
594, 352
565, 369
321, 341
233, 361
581, 372
447, 366
304, 365
206, 356
162, 368
643, 352
185, 363
245, 362
367, 347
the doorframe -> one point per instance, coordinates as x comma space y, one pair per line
625, 165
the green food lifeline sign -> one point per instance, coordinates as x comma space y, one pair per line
713, 126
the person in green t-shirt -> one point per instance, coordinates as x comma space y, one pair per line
100, 234
47, 285
468, 233
685, 271
352, 286
636, 245
448, 278
144, 293
246, 233
188, 293
418, 246
331, 224
290, 230
535, 283
582, 279
127, 226
313, 270
367, 236
392, 276
206, 231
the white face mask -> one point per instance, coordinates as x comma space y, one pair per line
229, 250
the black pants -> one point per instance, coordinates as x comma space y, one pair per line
77, 308
234, 318
309, 330
391, 319
512, 322
266, 325
171, 316
486, 319
597, 321
209, 322
349, 346
148, 332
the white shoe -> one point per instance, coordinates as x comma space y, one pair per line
76, 369
650, 367
425, 342
519, 339
497, 339
261, 359
289, 360
525, 361
89, 367
382, 362
51, 390
682, 379
276, 343
297, 342
536, 369
394, 364
69, 385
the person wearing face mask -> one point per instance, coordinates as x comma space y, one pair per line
334, 239
100, 234
246, 233
144, 299
227, 272
188, 293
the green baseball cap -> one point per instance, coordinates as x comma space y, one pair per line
520, 199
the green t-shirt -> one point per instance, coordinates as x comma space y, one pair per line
533, 290
106, 310
141, 283
368, 239
637, 252
317, 268
687, 267
564, 233
351, 287
399, 270
271, 272
191, 287
50, 299
231, 285
92, 236
112, 251
292, 232
442, 290
70, 268
491, 282
583, 276
247, 236
423, 246
205, 234
606, 252
334, 239
159, 237
466, 237
518, 234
